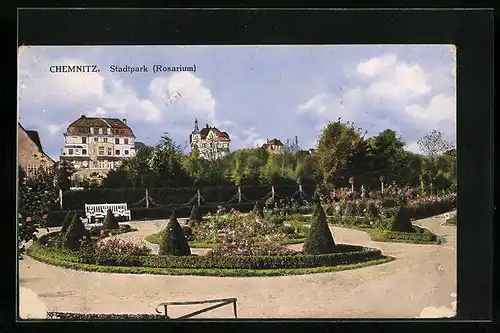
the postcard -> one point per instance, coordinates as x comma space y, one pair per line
247, 182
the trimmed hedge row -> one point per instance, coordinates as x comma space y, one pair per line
102, 316
427, 209
420, 234
348, 254
175, 196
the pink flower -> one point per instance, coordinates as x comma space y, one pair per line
84, 237
28, 219
20, 216
44, 217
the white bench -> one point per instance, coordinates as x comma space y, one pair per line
100, 210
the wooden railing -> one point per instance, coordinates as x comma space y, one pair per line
224, 301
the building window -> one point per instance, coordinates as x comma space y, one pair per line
84, 140
122, 131
100, 130
85, 164
70, 151
101, 150
126, 152
109, 130
110, 151
96, 139
110, 165
104, 139
117, 141
84, 151
117, 152
125, 141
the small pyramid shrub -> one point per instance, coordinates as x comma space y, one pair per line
401, 221
173, 241
110, 221
75, 232
257, 210
66, 222
195, 216
319, 239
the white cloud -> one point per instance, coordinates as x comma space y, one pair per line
401, 82
383, 99
440, 108
185, 90
412, 147
376, 65
251, 138
53, 128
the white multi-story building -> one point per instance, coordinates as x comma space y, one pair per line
97, 144
210, 142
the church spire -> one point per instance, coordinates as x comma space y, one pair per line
196, 129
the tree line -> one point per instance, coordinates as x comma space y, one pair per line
344, 157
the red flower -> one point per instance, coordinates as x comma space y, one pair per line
44, 217
28, 219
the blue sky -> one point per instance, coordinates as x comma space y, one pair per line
251, 92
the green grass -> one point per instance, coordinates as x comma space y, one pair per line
201, 272
155, 239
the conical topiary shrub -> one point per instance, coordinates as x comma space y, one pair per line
195, 216
319, 239
110, 221
401, 221
66, 222
257, 210
75, 232
173, 241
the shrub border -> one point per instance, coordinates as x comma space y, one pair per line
377, 235
207, 272
321, 264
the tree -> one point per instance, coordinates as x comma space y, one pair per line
336, 143
173, 241
319, 239
63, 172
110, 221
67, 220
257, 209
434, 144
195, 216
75, 233
401, 221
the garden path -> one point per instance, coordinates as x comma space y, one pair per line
421, 282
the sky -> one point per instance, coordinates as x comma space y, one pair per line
253, 93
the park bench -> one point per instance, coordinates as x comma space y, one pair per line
100, 210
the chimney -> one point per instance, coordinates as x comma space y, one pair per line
124, 121
208, 126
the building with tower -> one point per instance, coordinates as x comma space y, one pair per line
210, 142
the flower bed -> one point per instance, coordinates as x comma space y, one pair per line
349, 256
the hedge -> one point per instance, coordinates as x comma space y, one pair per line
347, 254
55, 218
101, 316
135, 197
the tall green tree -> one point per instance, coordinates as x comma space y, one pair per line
337, 142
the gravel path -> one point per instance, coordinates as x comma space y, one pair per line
421, 282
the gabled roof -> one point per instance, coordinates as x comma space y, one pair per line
33, 135
35, 138
85, 121
273, 142
221, 136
